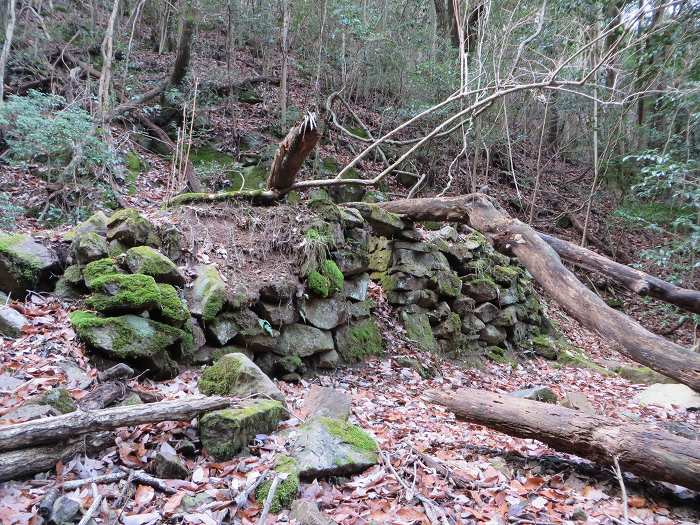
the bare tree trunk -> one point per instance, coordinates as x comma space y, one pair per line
514, 237
647, 452
285, 60
9, 31
106, 74
292, 152
184, 47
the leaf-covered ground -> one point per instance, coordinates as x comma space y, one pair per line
434, 466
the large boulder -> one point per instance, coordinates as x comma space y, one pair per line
358, 340
356, 287
25, 264
129, 228
325, 314
225, 433
140, 342
304, 340
208, 293
149, 261
236, 375
11, 321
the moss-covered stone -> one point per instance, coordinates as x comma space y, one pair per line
447, 283
286, 491
418, 329
140, 342
130, 228
208, 293
318, 284
97, 223
124, 293
481, 289
359, 340
171, 308
88, 247
225, 433
98, 269
236, 375
330, 270
148, 261
58, 398
25, 264
641, 375
505, 274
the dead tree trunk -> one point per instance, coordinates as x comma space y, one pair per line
647, 452
292, 152
69, 426
184, 47
514, 237
637, 281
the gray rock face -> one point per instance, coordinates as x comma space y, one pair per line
307, 513
418, 263
279, 314
30, 411
325, 314
25, 265
8, 383
324, 447
471, 324
328, 360
236, 375
326, 402
350, 262
168, 466
493, 335
304, 340
356, 288
228, 325
537, 393
424, 298
224, 433
481, 290
11, 322
487, 312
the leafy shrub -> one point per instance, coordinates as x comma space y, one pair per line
42, 128
8, 212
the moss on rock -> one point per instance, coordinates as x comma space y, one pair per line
318, 284
148, 261
172, 309
208, 294
330, 270
350, 434
286, 491
121, 293
359, 340
97, 269
220, 378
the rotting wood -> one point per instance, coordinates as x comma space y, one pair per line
647, 452
69, 426
292, 152
634, 280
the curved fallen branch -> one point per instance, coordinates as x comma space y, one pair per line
645, 451
514, 237
70, 426
255, 196
635, 280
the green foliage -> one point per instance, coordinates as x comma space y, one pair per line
9, 212
43, 128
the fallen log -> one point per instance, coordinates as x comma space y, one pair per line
512, 236
24, 462
647, 452
69, 426
292, 152
634, 280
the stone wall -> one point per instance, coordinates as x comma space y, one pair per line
453, 293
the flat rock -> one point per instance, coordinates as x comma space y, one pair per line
325, 314
30, 411
326, 402
236, 375
577, 401
11, 322
225, 433
306, 513
304, 340
324, 447
669, 396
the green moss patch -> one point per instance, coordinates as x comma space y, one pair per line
220, 378
173, 309
98, 269
124, 293
318, 284
350, 434
286, 491
359, 340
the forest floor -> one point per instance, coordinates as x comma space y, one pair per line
492, 478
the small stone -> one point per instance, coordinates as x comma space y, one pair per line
380, 250
236, 375
471, 324
577, 401
88, 247
77, 377
487, 312
463, 305
58, 398
168, 466
481, 289
65, 510
669, 396
426, 372
307, 513
328, 360
383, 222
12, 322
579, 515
304, 340
356, 287
278, 314
492, 335
326, 402
537, 393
